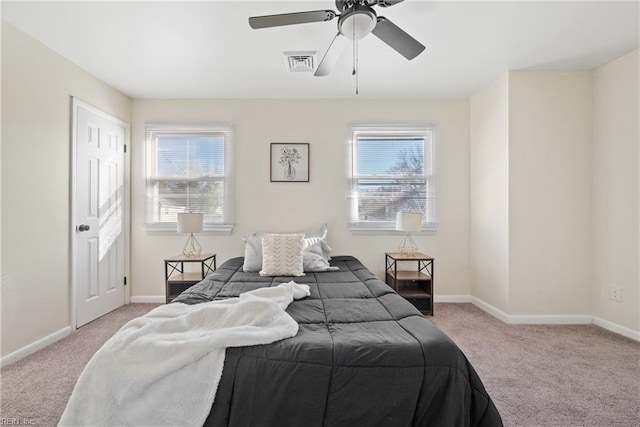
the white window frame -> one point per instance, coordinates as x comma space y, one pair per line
225, 130
429, 220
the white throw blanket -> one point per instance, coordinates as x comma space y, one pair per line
163, 369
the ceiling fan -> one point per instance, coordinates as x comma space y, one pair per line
356, 20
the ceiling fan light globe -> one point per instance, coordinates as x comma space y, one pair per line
357, 24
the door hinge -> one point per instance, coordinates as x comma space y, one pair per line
125, 148
125, 280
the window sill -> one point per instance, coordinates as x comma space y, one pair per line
171, 228
390, 231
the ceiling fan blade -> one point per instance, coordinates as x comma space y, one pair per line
387, 3
291, 18
330, 58
395, 37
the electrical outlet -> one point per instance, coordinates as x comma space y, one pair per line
615, 293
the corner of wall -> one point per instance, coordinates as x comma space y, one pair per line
489, 193
616, 191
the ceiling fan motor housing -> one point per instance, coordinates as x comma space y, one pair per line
357, 22
343, 5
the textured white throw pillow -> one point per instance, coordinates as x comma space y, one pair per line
282, 254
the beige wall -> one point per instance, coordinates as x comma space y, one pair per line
264, 206
550, 116
37, 85
616, 188
489, 191
531, 193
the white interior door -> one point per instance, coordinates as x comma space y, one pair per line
99, 249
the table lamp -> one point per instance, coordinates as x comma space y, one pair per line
191, 223
409, 222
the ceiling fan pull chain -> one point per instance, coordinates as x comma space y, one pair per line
353, 72
355, 57
356, 66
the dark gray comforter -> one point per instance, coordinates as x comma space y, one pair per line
363, 357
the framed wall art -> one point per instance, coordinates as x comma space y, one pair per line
289, 162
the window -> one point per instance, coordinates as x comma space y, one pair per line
392, 170
188, 171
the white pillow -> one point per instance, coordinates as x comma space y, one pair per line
312, 259
319, 234
282, 254
252, 252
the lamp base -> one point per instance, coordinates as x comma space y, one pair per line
192, 248
408, 246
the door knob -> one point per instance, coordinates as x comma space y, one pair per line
83, 227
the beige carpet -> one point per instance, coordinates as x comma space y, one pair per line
38, 387
549, 375
537, 375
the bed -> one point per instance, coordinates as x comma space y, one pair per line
362, 356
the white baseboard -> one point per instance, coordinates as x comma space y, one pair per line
452, 298
495, 312
35, 346
154, 299
533, 319
618, 329
547, 319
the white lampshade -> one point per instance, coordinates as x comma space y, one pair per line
410, 222
190, 222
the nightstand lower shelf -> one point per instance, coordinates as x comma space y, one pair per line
416, 293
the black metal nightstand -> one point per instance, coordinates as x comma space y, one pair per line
178, 281
416, 286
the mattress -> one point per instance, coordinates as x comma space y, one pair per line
363, 356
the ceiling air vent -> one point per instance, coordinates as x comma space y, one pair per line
300, 61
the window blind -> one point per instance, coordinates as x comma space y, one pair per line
187, 172
392, 171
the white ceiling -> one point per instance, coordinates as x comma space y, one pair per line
207, 49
